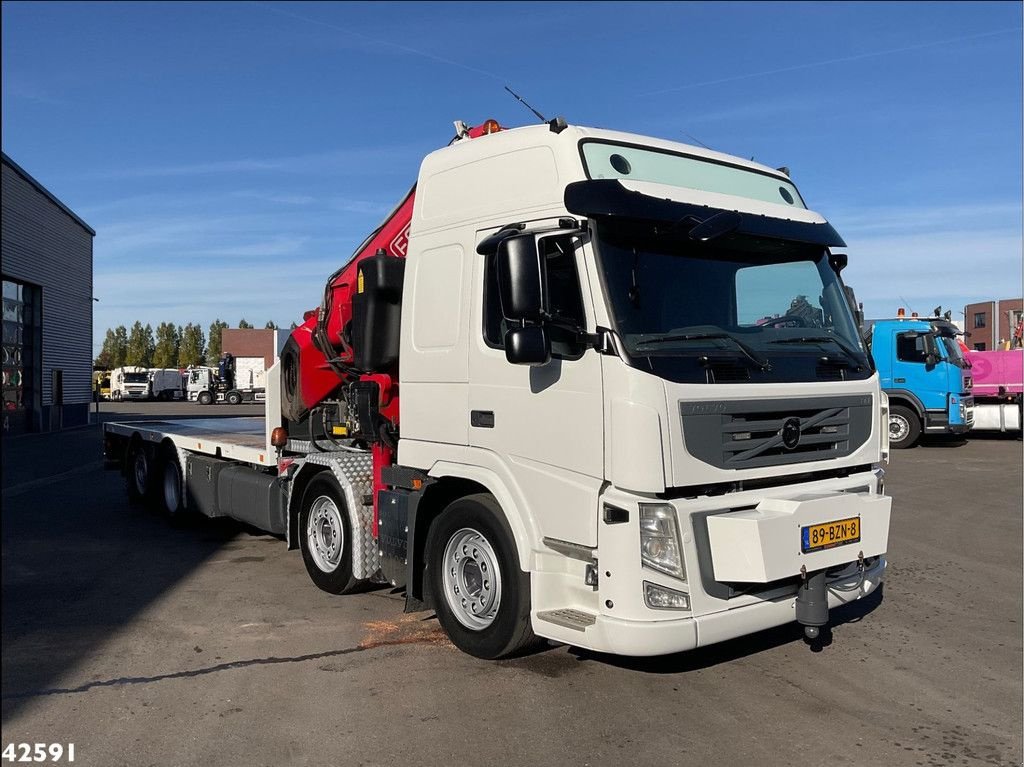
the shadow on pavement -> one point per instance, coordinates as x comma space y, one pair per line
78, 562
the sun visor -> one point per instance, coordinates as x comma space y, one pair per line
607, 198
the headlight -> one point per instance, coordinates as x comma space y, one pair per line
883, 425
660, 545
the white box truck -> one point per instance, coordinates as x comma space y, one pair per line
583, 385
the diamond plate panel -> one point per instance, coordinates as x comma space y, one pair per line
354, 472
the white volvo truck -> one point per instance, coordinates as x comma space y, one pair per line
635, 412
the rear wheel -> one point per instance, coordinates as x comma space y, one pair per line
171, 493
324, 537
481, 596
904, 427
138, 472
234, 398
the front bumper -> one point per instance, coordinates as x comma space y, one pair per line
645, 638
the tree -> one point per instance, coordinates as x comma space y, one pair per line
190, 349
115, 347
270, 325
213, 352
167, 342
105, 360
140, 346
119, 354
243, 325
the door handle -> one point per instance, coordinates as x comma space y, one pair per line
482, 419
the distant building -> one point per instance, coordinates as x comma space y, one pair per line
990, 324
47, 308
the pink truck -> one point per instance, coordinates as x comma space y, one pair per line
998, 387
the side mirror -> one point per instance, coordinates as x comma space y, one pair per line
520, 279
931, 359
528, 346
838, 261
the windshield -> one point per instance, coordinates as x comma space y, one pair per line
136, 378
953, 353
734, 309
623, 161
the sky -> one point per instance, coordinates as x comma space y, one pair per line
230, 156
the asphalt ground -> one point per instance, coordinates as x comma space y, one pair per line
206, 644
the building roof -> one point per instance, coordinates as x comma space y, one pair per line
46, 192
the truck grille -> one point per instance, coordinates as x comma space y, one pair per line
744, 434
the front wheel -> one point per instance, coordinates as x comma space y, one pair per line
904, 427
481, 596
324, 537
205, 398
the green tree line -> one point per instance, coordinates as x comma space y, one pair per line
170, 346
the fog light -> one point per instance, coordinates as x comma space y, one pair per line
660, 598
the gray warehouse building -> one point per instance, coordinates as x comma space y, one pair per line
47, 308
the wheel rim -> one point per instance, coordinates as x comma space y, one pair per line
472, 579
325, 534
140, 471
899, 428
172, 486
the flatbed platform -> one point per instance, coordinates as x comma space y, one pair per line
242, 438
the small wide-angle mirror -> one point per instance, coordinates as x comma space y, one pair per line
528, 345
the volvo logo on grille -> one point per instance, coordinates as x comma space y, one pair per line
791, 433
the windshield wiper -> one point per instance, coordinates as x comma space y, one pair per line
749, 353
850, 351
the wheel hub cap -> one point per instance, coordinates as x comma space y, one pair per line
472, 579
325, 534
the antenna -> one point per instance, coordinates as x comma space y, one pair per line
520, 99
694, 138
906, 304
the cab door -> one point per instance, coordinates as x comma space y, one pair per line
925, 380
544, 424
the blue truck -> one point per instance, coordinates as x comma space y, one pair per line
925, 375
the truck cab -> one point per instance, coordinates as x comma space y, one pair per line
131, 382
925, 375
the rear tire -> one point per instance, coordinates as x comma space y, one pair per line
139, 473
170, 493
324, 537
904, 427
234, 398
481, 596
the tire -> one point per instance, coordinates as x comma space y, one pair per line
205, 398
234, 398
904, 427
471, 553
139, 473
324, 536
170, 490
116, 396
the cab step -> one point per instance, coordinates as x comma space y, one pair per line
568, 618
